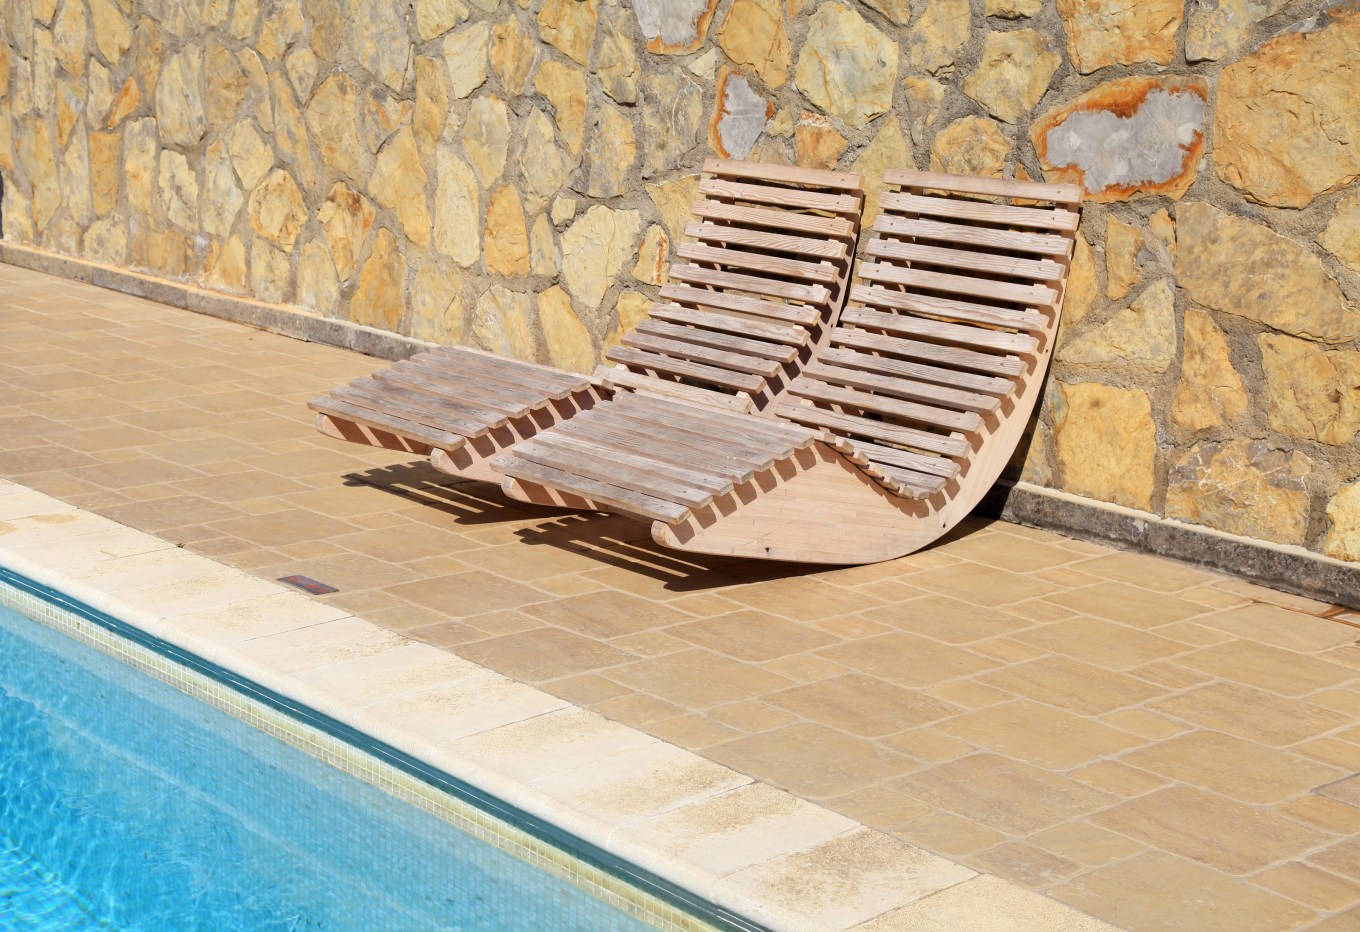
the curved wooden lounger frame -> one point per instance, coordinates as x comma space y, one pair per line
748, 303
895, 428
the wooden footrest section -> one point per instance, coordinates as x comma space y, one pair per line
651, 456
444, 396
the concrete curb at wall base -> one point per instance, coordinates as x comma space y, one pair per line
1291, 569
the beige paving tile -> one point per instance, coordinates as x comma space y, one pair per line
635, 710
753, 636
694, 732
751, 715
649, 644
929, 744
546, 744
543, 654
968, 694
1147, 571
1039, 734
907, 659
801, 598
1268, 667
1239, 769
984, 585
1103, 643
1006, 794
1274, 720
948, 620
1025, 864
811, 760
1241, 587
1086, 844
1348, 921
1283, 628
1147, 724
1158, 892
697, 679
606, 614
1210, 829
1117, 778
1341, 858
861, 705
1333, 751
879, 808
984, 902
949, 835
464, 594
585, 689
1325, 813
1345, 701
1128, 604
1004, 551
851, 627
1311, 887
1347, 790
1072, 685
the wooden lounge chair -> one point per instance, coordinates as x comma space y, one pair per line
893, 429
755, 293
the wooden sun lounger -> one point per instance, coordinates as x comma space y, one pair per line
748, 302
893, 428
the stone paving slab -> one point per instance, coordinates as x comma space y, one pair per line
1025, 704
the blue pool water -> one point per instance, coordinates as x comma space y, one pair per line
125, 804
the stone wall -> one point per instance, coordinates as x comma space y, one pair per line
512, 174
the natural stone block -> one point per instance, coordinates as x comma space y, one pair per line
565, 338
398, 183
436, 17
99, 83
1242, 487
674, 27
44, 64
75, 182
1012, 9
616, 63
889, 149
139, 166
703, 66
179, 99
543, 166
1122, 246
630, 310
1287, 124
112, 36
106, 170
68, 37
128, 100
610, 157
332, 118
465, 58
1106, 443
594, 249
245, 16
899, 11
222, 198
486, 138
673, 200
847, 67
1140, 339
1222, 28
565, 88
276, 209
569, 26
1013, 73
225, 82
1106, 32
456, 209
543, 258
1342, 236
70, 106
436, 311
739, 116
1343, 524
1233, 265
270, 274
179, 190
318, 287
1210, 392
501, 324
432, 102
251, 156
164, 252
512, 54
290, 133
506, 242
653, 256
106, 242
818, 142
754, 37
1131, 137
380, 297
940, 31
672, 111
16, 215
923, 97
973, 145
1311, 393
1082, 291
379, 39
345, 219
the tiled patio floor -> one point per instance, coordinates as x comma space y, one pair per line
1157, 745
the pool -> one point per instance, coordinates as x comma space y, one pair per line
126, 803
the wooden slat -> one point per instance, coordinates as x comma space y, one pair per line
764, 432
625, 500
972, 184
888, 366
762, 263
440, 439
1031, 217
467, 427
850, 424
1044, 244
779, 197
920, 462
909, 389
476, 393
772, 310
693, 352
718, 340
525, 380
516, 396
744, 326
938, 330
434, 405
966, 421
963, 311
769, 242
690, 370
930, 352
638, 439
1027, 295
789, 174
990, 263
914, 483
699, 479
615, 377
555, 378
807, 294
698, 438
612, 470
774, 219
